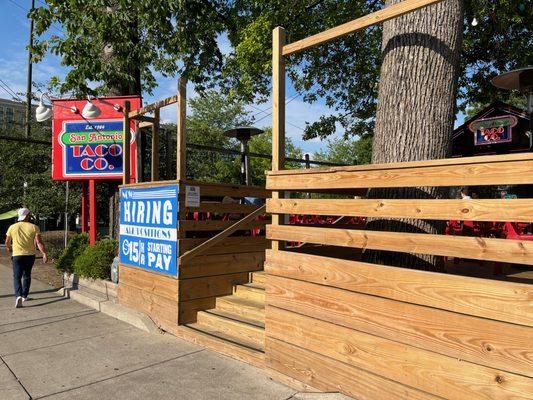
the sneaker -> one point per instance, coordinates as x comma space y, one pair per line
18, 302
26, 299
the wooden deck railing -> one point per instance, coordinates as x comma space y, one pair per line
377, 331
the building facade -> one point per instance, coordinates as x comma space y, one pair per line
12, 115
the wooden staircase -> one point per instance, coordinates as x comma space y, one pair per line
236, 326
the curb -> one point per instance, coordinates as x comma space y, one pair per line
110, 307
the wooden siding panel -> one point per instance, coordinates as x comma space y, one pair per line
482, 341
440, 375
503, 301
330, 375
151, 282
221, 264
210, 286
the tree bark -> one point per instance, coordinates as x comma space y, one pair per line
416, 109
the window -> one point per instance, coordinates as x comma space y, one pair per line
9, 117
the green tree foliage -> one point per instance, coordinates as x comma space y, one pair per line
95, 261
170, 37
210, 115
346, 151
31, 163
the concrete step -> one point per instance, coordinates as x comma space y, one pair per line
251, 291
246, 308
234, 327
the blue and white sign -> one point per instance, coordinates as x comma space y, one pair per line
148, 228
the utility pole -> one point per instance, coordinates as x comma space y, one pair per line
28, 87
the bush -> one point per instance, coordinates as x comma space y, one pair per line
54, 242
76, 245
95, 262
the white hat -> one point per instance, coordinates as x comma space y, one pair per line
23, 213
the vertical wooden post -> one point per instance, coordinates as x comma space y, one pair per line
126, 148
139, 139
92, 211
155, 147
278, 112
181, 131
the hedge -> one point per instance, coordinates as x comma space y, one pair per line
75, 246
95, 261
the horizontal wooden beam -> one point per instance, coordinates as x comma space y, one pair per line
503, 250
516, 210
366, 21
491, 299
144, 118
151, 107
218, 225
223, 208
243, 223
505, 172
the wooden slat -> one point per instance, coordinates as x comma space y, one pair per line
517, 210
151, 107
235, 191
162, 310
329, 375
210, 286
366, 21
234, 227
498, 158
498, 300
234, 244
513, 251
220, 264
482, 341
189, 225
493, 173
220, 208
159, 284
443, 376
189, 309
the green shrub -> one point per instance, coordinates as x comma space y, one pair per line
95, 262
76, 245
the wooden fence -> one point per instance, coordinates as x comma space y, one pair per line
205, 270
379, 332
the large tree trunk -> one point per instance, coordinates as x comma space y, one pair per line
416, 108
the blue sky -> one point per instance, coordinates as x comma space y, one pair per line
14, 31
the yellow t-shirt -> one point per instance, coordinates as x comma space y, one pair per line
23, 238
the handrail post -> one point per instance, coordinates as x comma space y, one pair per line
278, 112
155, 147
181, 130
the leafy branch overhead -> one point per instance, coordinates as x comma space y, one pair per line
115, 46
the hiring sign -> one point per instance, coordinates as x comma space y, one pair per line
90, 148
148, 228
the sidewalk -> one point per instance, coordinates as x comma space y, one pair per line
55, 348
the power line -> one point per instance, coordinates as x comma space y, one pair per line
6, 87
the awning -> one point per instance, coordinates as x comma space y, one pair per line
9, 215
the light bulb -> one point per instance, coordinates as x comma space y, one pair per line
474, 21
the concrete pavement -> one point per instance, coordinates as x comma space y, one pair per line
55, 348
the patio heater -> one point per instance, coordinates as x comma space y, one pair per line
521, 80
243, 134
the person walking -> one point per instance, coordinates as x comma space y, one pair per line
21, 238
